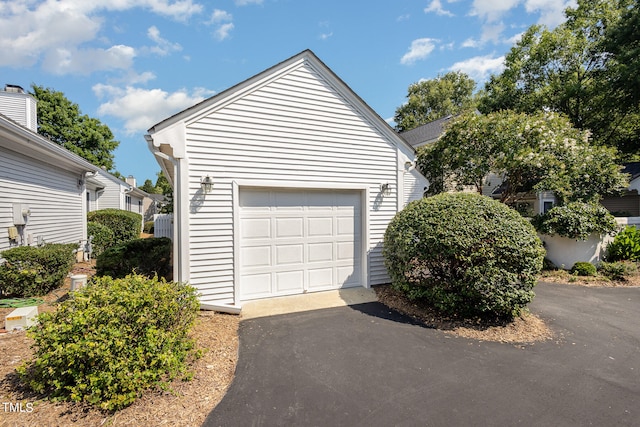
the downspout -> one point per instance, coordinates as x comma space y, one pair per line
177, 238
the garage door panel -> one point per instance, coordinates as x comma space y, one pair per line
320, 252
319, 226
299, 241
256, 256
289, 254
289, 227
256, 228
289, 282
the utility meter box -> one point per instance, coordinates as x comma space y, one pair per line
21, 318
20, 213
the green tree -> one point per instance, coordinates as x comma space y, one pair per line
538, 152
430, 100
562, 70
150, 188
62, 122
163, 184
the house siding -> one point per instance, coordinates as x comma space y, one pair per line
52, 194
294, 129
112, 196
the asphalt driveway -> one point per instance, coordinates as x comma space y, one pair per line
365, 365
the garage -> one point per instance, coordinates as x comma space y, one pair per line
295, 241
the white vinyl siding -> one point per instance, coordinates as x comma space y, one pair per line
297, 128
112, 195
52, 194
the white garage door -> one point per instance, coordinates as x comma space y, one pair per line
296, 241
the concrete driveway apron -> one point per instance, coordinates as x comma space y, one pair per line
364, 365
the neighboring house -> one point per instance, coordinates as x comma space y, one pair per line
628, 204
152, 205
528, 204
105, 191
283, 184
42, 185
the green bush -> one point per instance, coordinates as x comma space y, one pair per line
35, 271
112, 340
625, 246
583, 269
144, 256
617, 270
103, 237
124, 224
465, 253
576, 220
149, 227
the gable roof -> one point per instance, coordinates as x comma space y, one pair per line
426, 133
237, 91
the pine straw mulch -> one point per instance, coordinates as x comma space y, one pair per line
188, 404
528, 328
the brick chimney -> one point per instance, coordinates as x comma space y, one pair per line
131, 180
19, 106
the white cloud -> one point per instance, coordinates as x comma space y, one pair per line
551, 11
471, 42
86, 61
492, 10
246, 2
142, 108
41, 31
325, 36
436, 7
420, 49
163, 47
222, 32
222, 20
404, 17
480, 67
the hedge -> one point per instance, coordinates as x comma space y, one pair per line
144, 256
124, 224
103, 237
35, 271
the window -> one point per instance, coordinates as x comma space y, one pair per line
139, 206
547, 205
128, 202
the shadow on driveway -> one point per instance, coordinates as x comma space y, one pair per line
366, 365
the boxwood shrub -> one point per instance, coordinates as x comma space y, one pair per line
466, 254
583, 269
35, 270
144, 256
103, 237
124, 224
112, 340
576, 220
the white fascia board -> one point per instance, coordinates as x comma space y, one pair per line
34, 145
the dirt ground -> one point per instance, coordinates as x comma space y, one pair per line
217, 333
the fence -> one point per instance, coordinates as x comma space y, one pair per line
163, 225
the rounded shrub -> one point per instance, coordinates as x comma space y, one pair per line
148, 257
124, 224
576, 220
583, 269
625, 246
103, 237
619, 270
466, 254
112, 340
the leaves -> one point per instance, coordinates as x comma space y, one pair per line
528, 152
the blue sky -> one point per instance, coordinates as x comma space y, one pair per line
133, 63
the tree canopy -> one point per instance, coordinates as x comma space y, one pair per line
537, 152
430, 100
571, 70
62, 122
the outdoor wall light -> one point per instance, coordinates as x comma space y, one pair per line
206, 184
385, 189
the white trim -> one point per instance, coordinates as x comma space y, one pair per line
181, 221
365, 243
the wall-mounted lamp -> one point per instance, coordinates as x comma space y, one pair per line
206, 184
385, 189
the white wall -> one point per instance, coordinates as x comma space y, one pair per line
294, 129
53, 195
